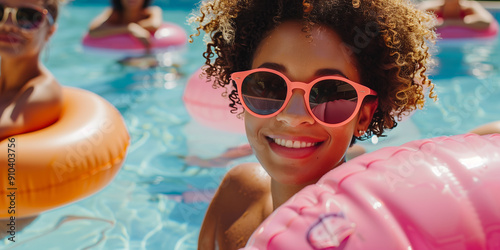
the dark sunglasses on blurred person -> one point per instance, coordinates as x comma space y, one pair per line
27, 18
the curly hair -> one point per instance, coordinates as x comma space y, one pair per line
390, 40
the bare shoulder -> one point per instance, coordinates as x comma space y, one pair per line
250, 176
430, 5
153, 10
112, 17
40, 100
44, 89
36, 105
107, 15
240, 204
242, 186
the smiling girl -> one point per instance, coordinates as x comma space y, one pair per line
30, 96
312, 77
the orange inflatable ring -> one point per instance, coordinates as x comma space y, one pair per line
73, 158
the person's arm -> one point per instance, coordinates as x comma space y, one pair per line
478, 17
489, 128
36, 106
154, 19
206, 238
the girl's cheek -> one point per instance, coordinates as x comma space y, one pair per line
253, 126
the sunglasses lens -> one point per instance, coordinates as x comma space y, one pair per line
2, 10
263, 92
28, 18
333, 101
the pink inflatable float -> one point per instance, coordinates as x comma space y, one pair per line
454, 32
166, 37
208, 107
441, 193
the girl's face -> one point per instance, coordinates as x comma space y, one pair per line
303, 57
18, 41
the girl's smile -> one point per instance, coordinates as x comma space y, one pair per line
294, 147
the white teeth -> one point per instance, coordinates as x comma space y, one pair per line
293, 144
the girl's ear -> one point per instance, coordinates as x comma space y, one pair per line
51, 31
366, 112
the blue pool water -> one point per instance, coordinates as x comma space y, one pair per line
143, 208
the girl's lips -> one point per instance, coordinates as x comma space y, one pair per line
9, 38
296, 148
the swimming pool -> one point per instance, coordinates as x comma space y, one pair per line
144, 207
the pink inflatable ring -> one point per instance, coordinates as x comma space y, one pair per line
207, 105
441, 193
168, 36
455, 32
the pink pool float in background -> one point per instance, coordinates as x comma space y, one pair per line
167, 37
457, 32
441, 193
209, 107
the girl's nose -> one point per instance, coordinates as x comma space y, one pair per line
8, 16
295, 112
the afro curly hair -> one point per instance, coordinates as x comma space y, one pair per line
391, 41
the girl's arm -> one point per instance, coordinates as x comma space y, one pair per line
154, 19
479, 17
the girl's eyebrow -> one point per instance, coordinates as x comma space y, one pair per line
318, 73
275, 66
330, 72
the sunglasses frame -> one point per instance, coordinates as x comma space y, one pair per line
361, 90
13, 11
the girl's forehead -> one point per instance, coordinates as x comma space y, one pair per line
302, 53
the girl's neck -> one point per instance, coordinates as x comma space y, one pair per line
15, 72
283, 192
132, 15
